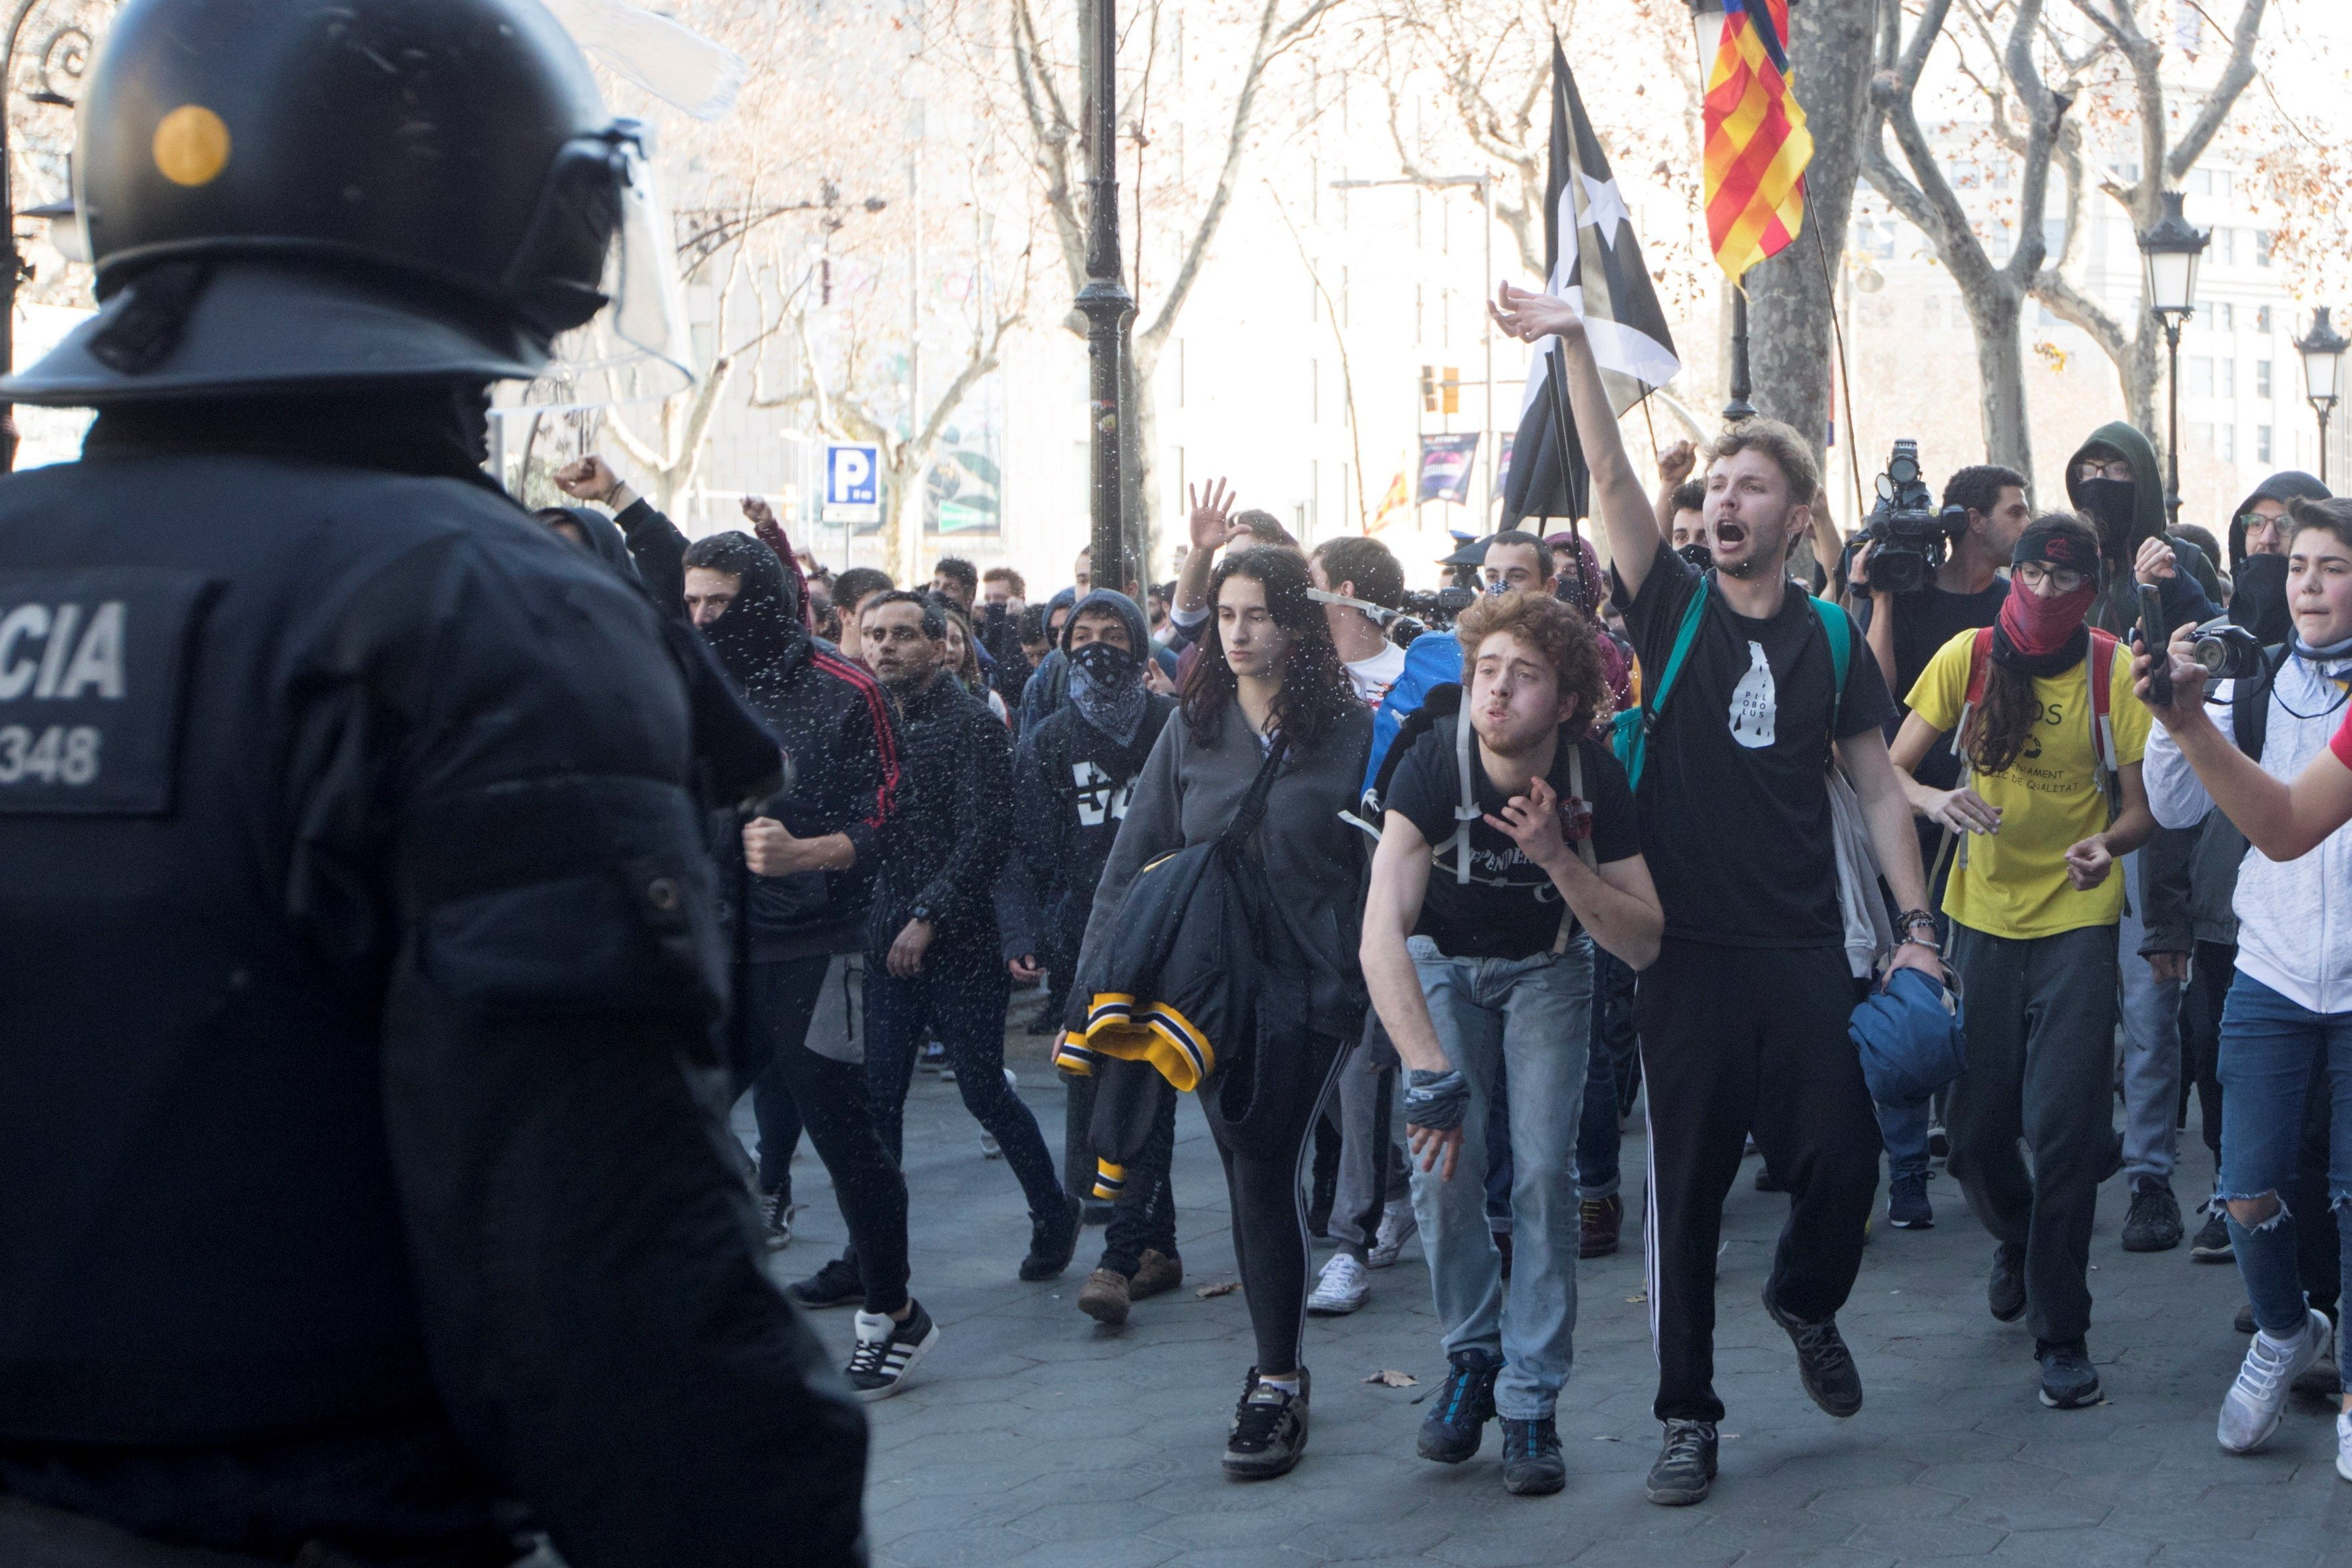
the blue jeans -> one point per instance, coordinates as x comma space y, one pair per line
1532, 1014
2269, 1048
1905, 1133
2151, 1011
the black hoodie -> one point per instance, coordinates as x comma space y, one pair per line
2286, 485
2192, 592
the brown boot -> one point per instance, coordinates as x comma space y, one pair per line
1156, 1275
1104, 1297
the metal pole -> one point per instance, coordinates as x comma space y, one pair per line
2172, 423
1739, 408
1487, 439
1105, 302
911, 493
2321, 409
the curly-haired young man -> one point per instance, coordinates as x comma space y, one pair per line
1478, 953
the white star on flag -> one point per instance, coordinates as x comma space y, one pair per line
1604, 207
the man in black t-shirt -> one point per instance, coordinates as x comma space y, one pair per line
1477, 949
1743, 1016
1906, 631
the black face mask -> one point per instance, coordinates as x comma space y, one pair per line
996, 614
1108, 664
2112, 502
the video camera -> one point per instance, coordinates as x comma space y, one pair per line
1913, 535
1427, 611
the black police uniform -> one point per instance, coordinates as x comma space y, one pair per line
362, 1174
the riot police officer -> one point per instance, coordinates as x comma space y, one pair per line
360, 1193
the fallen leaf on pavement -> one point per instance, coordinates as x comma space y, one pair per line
1388, 1377
1224, 1288
1635, 1300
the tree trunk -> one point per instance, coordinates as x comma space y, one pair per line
1791, 346
2000, 371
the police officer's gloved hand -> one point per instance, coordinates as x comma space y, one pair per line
1437, 1101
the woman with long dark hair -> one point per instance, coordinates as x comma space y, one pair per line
1267, 690
2048, 804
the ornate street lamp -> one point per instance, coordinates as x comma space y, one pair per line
2323, 356
65, 58
1105, 302
2168, 252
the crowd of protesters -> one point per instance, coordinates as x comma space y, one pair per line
1411, 911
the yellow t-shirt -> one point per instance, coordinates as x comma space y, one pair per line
2014, 884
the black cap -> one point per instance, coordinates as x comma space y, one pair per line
2058, 542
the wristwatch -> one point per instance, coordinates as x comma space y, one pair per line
924, 913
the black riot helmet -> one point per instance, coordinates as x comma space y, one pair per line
281, 194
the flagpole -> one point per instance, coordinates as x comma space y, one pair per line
1567, 432
1486, 399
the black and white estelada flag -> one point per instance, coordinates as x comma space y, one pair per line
1596, 265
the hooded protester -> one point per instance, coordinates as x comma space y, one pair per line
2114, 481
1042, 692
1072, 781
595, 533
1616, 658
2263, 515
803, 870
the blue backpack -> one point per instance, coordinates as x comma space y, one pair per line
1631, 731
1433, 660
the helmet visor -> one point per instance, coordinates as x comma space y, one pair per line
638, 349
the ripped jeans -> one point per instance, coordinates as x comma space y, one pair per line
2269, 1050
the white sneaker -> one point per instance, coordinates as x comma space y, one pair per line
988, 1147
1341, 1289
1397, 1228
2250, 1412
887, 1352
2343, 1445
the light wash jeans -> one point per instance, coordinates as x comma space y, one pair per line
2269, 1048
1530, 1018
2151, 1048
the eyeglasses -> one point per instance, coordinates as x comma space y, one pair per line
2104, 468
2064, 579
2260, 522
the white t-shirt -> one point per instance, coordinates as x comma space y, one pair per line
1374, 676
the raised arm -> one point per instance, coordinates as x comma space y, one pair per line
1625, 510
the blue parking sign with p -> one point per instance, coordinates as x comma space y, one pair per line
850, 476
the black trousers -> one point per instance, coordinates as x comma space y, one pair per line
1145, 1215
2041, 1068
831, 1098
1263, 1176
2211, 970
1735, 1039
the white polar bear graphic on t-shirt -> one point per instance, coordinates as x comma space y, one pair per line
1753, 705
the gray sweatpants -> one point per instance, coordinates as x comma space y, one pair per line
1372, 1172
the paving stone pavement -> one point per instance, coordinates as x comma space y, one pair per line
1033, 1436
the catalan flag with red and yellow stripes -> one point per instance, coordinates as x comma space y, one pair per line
1757, 144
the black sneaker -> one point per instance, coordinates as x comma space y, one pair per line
887, 1352
2069, 1382
1823, 1363
1939, 1142
2005, 1291
1455, 1425
1532, 1463
1906, 1203
1686, 1466
1268, 1436
1766, 1181
2213, 1244
1053, 1240
834, 1285
2244, 1321
2154, 1223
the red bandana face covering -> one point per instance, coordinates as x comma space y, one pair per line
2038, 627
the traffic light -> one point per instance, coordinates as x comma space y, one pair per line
1429, 389
1453, 386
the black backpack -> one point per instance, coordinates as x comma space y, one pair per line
2249, 723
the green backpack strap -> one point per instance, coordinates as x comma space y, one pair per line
1630, 730
1839, 628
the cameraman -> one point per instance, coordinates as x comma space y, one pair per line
1904, 631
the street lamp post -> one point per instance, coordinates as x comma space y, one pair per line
2323, 358
2170, 252
1106, 303
1486, 185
